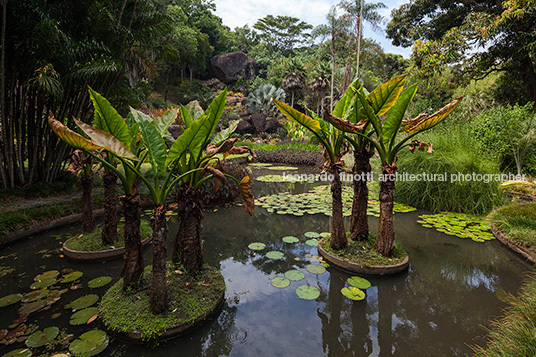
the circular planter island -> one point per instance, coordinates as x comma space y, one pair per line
344, 259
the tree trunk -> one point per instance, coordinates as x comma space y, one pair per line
88, 220
338, 233
385, 244
188, 247
109, 223
359, 228
132, 258
158, 297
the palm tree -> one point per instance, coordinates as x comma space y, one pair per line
320, 85
358, 10
294, 80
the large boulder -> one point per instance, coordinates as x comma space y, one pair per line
245, 127
272, 126
231, 67
259, 122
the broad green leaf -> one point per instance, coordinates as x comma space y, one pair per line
82, 317
10, 299
108, 141
280, 282
315, 269
342, 106
369, 111
108, 119
294, 275
307, 292
225, 134
98, 282
298, 117
384, 97
155, 145
353, 293
432, 120
274, 254
136, 114
163, 122
41, 338
89, 344
257, 246
84, 301
396, 114
358, 282
210, 120
73, 139
186, 117
195, 110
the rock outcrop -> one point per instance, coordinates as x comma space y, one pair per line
231, 67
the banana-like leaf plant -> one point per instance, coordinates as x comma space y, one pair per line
194, 157
391, 101
332, 139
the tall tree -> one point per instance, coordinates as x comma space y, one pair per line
357, 11
482, 36
282, 33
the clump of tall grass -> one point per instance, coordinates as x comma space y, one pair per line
518, 220
455, 152
513, 334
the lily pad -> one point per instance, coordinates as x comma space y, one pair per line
31, 307
307, 292
312, 242
290, 239
257, 246
36, 295
43, 283
353, 293
294, 275
280, 282
315, 269
98, 282
84, 301
82, 317
21, 352
47, 274
274, 254
68, 278
312, 235
359, 282
325, 234
10, 299
281, 168
89, 344
41, 338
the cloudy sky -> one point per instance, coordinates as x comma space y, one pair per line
237, 14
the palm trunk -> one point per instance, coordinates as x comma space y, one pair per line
109, 224
385, 244
132, 258
338, 239
158, 297
88, 220
359, 228
188, 247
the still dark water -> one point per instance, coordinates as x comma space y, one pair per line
440, 307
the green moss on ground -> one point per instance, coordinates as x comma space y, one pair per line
189, 296
89, 242
513, 334
518, 221
363, 253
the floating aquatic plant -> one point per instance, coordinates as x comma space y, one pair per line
10, 299
21, 352
294, 275
257, 246
260, 164
458, 224
32, 307
358, 282
98, 282
315, 269
41, 338
312, 235
353, 293
274, 255
280, 178
280, 282
84, 301
83, 316
290, 239
70, 277
43, 283
281, 168
307, 292
312, 242
89, 344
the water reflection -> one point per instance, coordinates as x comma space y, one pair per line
438, 308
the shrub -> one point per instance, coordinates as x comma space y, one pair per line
260, 100
456, 151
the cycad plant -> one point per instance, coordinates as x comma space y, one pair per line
260, 100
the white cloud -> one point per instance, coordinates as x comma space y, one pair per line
237, 14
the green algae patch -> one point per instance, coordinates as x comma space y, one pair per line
191, 298
363, 253
90, 242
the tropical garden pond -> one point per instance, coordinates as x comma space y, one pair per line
441, 306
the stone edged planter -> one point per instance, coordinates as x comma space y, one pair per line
97, 255
520, 250
135, 336
378, 270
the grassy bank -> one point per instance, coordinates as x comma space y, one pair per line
518, 221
